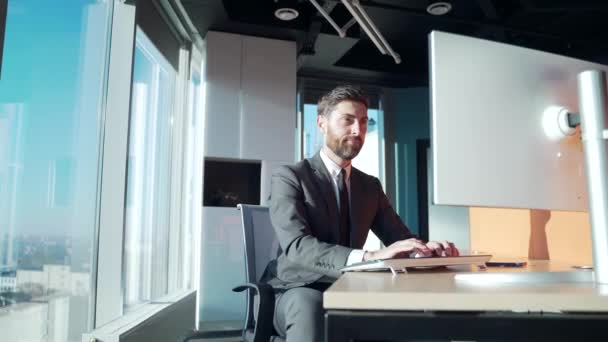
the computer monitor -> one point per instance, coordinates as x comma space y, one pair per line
489, 145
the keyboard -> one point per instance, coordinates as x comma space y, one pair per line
401, 264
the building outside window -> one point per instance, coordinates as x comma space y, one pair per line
51, 91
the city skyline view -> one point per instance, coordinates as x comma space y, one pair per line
51, 89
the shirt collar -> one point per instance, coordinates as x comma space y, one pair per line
333, 168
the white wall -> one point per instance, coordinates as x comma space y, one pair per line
24, 322
56, 277
223, 95
447, 222
268, 90
44, 320
251, 97
250, 114
34, 277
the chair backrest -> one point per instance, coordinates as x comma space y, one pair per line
261, 246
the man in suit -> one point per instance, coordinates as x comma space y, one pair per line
322, 210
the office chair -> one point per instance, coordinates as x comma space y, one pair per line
261, 246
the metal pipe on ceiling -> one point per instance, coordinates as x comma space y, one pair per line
341, 32
364, 21
365, 27
371, 24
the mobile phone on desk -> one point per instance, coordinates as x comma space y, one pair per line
506, 264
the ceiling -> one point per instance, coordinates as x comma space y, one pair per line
572, 28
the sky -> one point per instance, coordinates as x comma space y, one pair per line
50, 90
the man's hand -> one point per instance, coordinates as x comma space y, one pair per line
399, 248
444, 248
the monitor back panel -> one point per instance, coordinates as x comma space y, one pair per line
488, 142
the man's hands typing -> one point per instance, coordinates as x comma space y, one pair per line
398, 249
418, 247
444, 248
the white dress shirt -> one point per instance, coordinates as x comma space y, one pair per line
334, 171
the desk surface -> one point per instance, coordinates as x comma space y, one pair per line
438, 290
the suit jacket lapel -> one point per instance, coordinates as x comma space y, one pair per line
326, 188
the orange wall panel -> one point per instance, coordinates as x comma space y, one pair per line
569, 236
534, 234
501, 232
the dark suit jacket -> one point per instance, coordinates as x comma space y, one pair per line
304, 213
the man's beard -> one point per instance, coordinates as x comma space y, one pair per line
346, 148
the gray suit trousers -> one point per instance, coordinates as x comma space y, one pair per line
298, 315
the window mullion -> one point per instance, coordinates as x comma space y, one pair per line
109, 287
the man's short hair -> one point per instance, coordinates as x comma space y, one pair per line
328, 102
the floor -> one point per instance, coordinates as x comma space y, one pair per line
220, 326
219, 340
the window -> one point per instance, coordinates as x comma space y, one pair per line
369, 160
51, 88
193, 177
61, 172
149, 168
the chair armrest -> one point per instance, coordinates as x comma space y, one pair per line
263, 328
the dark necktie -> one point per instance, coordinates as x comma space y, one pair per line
344, 209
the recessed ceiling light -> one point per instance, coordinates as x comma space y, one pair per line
439, 8
286, 14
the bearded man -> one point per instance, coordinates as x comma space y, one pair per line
322, 210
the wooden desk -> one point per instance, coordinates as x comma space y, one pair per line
433, 304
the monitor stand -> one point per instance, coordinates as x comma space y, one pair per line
592, 109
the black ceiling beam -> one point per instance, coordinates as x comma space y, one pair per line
531, 6
489, 24
489, 11
568, 9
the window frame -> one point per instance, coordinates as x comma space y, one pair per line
108, 283
107, 286
3, 15
308, 86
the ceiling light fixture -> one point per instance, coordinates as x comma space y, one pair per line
286, 14
439, 8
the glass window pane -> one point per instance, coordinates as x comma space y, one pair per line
149, 175
368, 159
51, 90
192, 194
312, 138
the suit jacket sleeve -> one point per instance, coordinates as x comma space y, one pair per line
289, 217
387, 224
